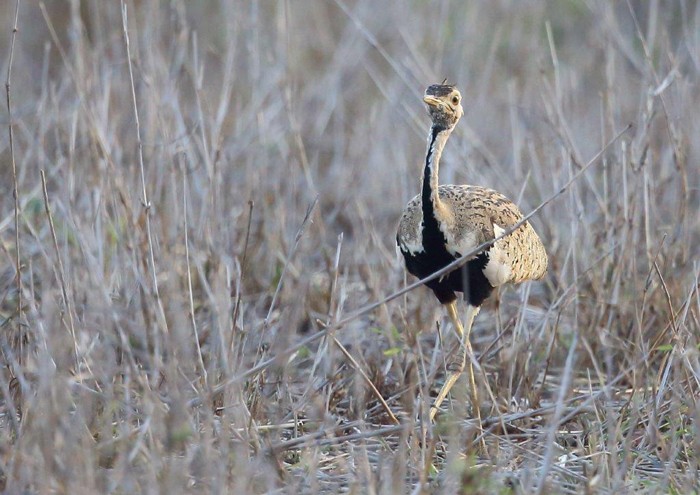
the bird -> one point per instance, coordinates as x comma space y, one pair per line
443, 222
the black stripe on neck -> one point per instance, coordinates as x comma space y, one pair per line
433, 238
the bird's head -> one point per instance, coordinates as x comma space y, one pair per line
444, 105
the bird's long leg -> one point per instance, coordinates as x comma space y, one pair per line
455, 369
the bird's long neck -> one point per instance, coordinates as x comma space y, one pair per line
432, 206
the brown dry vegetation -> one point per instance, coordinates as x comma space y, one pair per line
154, 353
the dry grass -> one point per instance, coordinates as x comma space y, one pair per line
158, 345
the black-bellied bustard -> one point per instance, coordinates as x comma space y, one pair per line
444, 222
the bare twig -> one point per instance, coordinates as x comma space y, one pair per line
61, 272
15, 188
189, 280
244, 259
668, 299
558, 412
367, 379
144, 196
290, 255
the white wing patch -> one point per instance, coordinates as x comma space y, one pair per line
415, 244
412, 248
497, 270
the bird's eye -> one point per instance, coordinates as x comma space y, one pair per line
455, 100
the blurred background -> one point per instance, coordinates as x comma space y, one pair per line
256, 203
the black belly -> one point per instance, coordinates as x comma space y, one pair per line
468, 279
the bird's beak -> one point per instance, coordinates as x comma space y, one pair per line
432, 101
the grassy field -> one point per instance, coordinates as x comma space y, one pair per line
206, 224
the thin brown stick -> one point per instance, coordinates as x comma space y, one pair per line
290, 255
668, 299
244, 258
189, 281
367, 379
15, 187
61, 272
558, 413
144, 196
